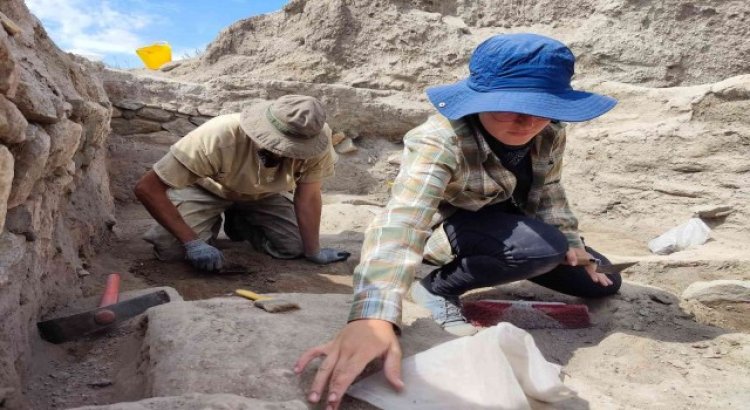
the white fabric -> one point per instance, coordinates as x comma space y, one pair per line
495, 369
694, 232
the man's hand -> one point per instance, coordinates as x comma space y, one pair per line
575, 254
346, 356
328, 255
203, 256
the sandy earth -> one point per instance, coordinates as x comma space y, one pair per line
647, 348
630, 175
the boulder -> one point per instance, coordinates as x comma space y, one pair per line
124, 126
65, 138
6, 182
12, 123
346, 146
12, 250
226, 345
9, 71
36, 101
715, 291
179, 127
30, 164
155, 114
95, 120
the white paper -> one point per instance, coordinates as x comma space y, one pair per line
495, 369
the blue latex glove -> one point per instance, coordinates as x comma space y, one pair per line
328, 255
203, 256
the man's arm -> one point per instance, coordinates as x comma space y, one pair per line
308, 205
152, 192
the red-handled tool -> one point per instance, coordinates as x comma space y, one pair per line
110, 296
110, 312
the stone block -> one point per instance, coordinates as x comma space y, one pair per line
128, 105
179, 127
6, 182
35, 100
224, 345
12, 249
20, 221
95, 120
65, 138
718, 291
156, 114
337, 137
12, 123
124, 126
9, 70
9, 25
30, 164
198, 121
346, 146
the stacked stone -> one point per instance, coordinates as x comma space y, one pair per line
54, 196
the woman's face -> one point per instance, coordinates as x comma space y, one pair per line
512, 128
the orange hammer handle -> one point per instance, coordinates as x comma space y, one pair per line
111, 290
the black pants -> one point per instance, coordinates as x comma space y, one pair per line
494, 247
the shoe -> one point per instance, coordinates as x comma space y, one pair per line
445, 311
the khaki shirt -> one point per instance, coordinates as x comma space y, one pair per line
219, 157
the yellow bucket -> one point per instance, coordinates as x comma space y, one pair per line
155, 55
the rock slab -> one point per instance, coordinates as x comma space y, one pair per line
226, 345
718, 291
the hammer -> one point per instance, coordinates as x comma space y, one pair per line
109, 313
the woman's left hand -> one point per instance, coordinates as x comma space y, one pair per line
575, 254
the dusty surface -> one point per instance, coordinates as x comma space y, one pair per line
630, 175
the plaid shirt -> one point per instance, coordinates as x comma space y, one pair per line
448, 165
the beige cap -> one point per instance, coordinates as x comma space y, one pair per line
291, 126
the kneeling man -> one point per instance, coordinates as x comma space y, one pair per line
244, 166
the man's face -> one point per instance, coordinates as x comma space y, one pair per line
269, 159
512, 128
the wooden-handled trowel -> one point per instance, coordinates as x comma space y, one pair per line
109, 313
606, 269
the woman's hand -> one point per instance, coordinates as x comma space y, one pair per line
579, 254
358, 343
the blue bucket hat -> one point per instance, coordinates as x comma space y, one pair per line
521, 73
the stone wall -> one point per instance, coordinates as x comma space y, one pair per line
54, 194
151, 112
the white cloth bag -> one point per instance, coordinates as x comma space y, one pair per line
495, 369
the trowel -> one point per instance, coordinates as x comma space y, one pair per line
109, 313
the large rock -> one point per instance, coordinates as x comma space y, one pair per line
35, 100
155, 114
124, 126
718, 291
9, 71
179, 127
30, 164
226, 345
6, 181
12, 123
201, 402
65, 137
95, 120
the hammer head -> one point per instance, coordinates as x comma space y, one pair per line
64, 329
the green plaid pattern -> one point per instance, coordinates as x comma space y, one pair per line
448, 165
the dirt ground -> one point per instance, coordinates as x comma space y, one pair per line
693, 340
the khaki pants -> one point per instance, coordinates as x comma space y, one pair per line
269, 224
